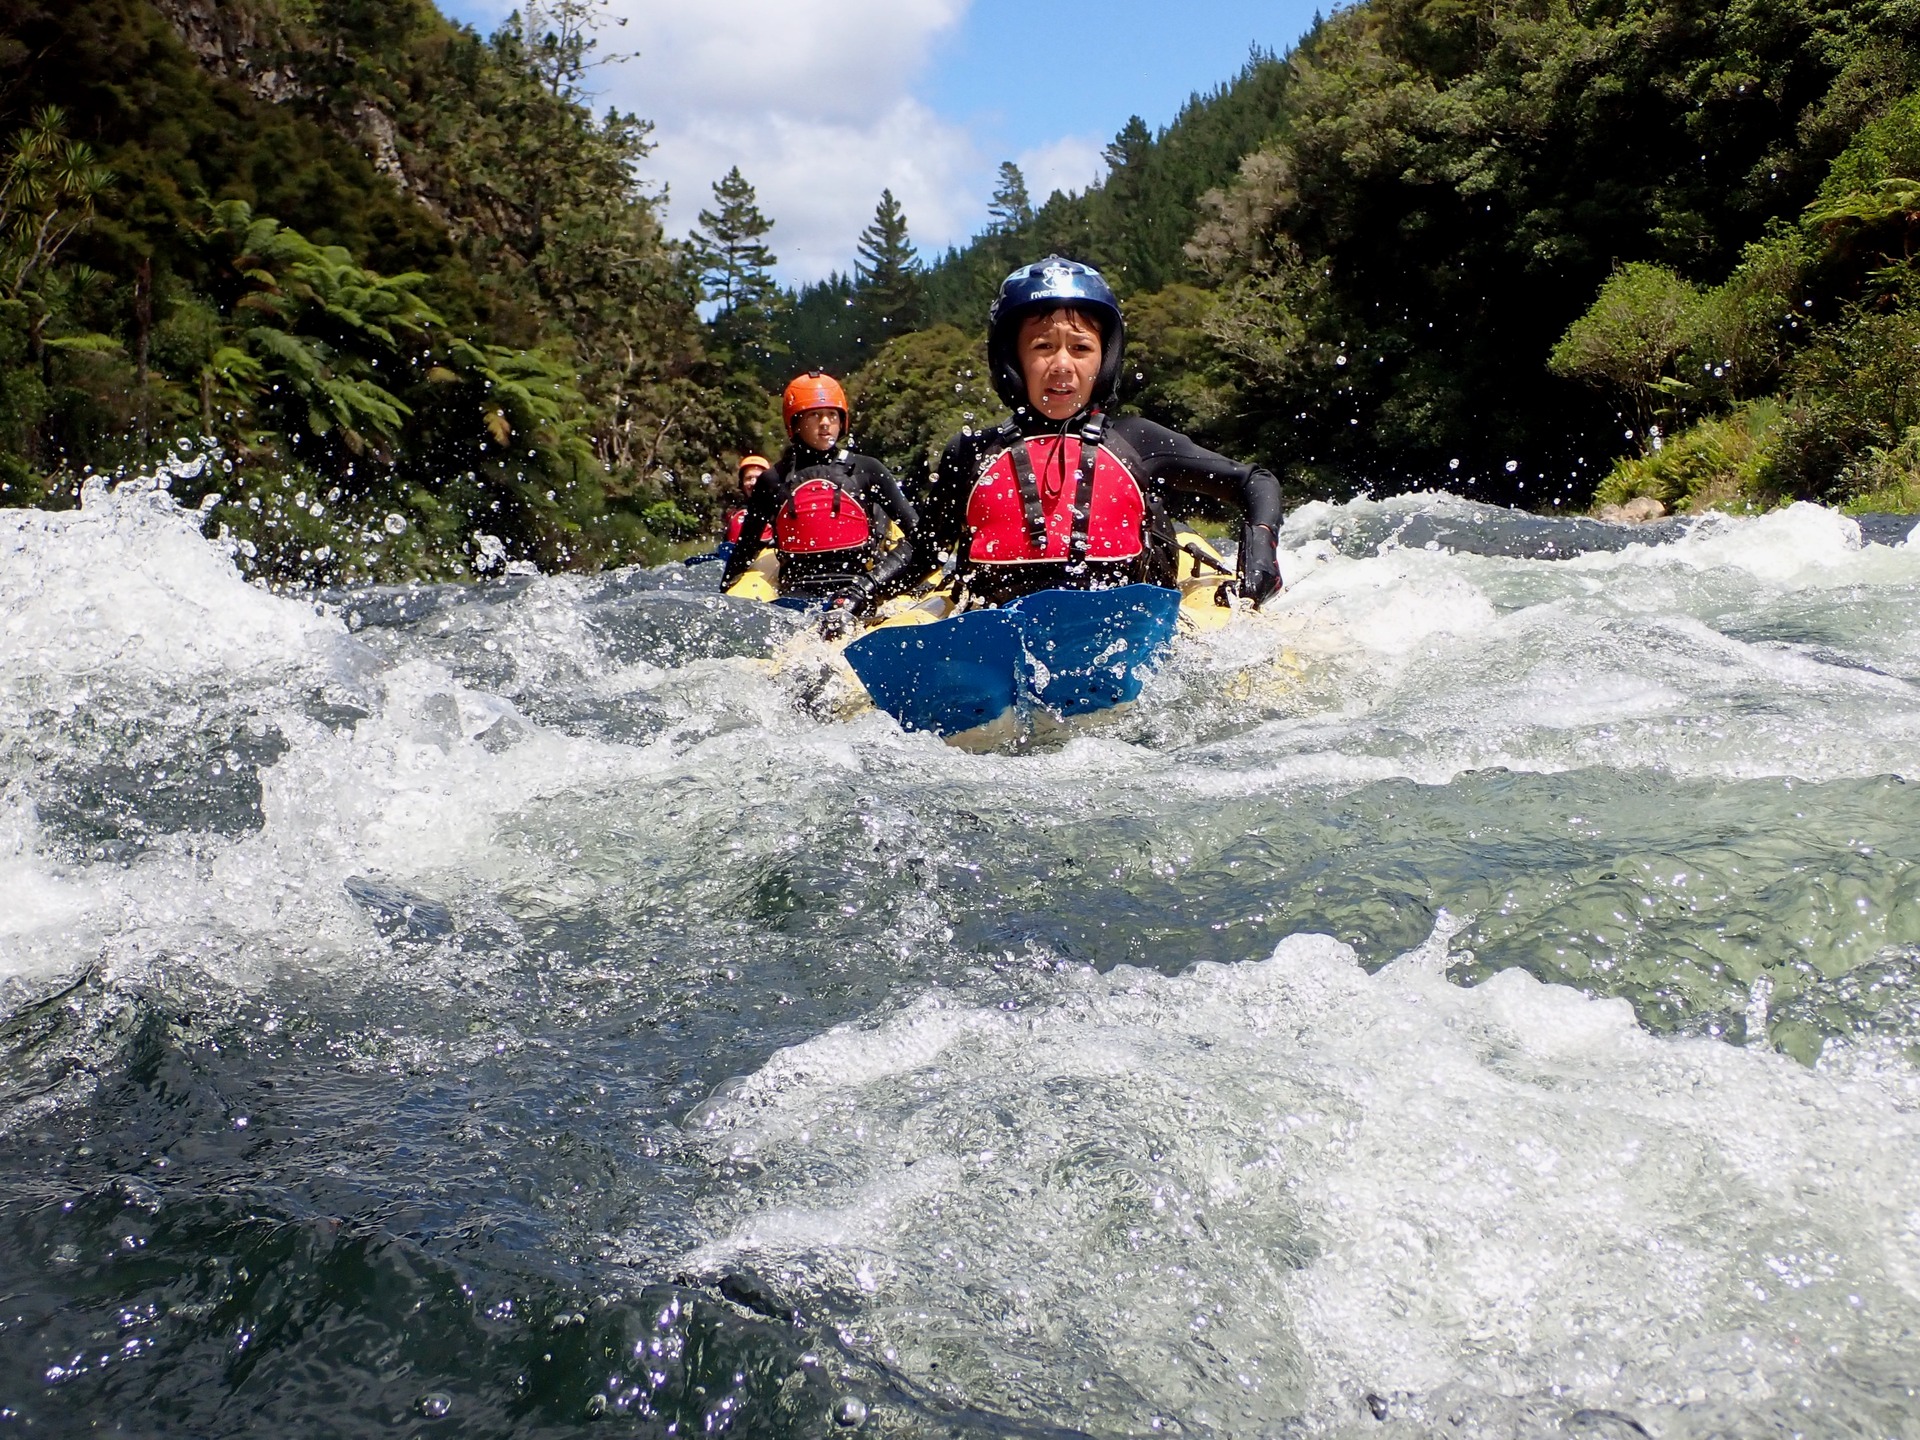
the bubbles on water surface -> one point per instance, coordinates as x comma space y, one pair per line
467, 898
1259, 1193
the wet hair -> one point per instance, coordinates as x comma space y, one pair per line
1080, 319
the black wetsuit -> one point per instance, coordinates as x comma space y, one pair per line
1161, 460
872, 567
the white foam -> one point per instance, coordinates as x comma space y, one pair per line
1392, 604
33, 901
1798, 545
128, 585
1267, 1190
1772, 646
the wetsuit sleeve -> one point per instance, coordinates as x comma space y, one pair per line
898, 568
761, 508
1170, 458
946, 513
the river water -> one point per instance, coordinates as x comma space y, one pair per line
1480, 996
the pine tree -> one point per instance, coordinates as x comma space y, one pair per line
557, 36
888, 272
734, 262
819, 327
1010, 208
1125, 217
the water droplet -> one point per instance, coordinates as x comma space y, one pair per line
851, 1411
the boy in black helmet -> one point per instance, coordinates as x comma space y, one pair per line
1061, 495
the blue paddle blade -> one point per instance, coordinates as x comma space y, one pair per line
1072, 651
1090, 650
945, 677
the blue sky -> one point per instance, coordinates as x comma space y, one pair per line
1019, 88
821, 107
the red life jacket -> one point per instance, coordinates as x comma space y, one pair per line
820, 514
737, 521
1053, 497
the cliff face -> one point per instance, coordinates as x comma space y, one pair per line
252, 45
236, 42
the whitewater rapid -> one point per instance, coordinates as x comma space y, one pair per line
1477, 995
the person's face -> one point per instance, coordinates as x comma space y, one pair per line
749, 476
1059, 359
817, 428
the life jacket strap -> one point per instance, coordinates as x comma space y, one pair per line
1036, 518
1091, 435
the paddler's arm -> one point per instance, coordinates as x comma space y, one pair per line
899, 567
944, 519
1170, 458
761, 508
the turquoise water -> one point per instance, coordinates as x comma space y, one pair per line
1479, 996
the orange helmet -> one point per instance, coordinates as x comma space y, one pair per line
815, 390
746, 460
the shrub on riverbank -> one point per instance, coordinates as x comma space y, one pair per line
1797, 378
392, 270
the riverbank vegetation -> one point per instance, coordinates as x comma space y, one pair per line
410, 287
1798, 376
1534, 253
416, 295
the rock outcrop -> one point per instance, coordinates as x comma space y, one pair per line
1637, 511
250, 45
237, 42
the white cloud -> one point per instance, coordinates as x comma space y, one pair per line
817, 108
814, 106
1070, 163
819, 179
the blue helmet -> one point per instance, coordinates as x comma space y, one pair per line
1051, 284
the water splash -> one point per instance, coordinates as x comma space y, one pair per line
1338, 1039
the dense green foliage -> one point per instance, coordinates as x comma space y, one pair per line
919, 391
399, 273
1456, 182
1807, 357
1495, 244
418, 294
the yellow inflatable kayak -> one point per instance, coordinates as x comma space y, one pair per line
993, 672
1207, 601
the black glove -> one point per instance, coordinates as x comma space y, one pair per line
846, 608
1259, 565
857, 596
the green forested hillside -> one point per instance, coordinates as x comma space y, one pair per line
416, 296
1430, 193
415, 291
1455, 182
1135, 226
